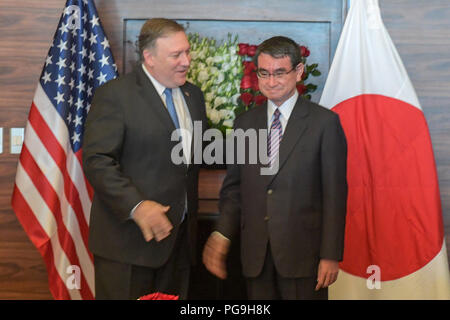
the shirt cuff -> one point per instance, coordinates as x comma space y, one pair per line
221, 235
134, 209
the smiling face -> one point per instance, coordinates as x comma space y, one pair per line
169, 60
278, 89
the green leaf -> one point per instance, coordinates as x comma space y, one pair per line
311, 86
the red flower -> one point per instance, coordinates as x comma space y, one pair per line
246, 98
158, 296
254, 79
251, 50
304, 51
303, 75
243, 49
255, 84
301, 88
260, 99
246, 82
249, 67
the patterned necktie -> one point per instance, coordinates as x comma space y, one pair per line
171, 107
274, 138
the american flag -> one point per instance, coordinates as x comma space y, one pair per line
51, 197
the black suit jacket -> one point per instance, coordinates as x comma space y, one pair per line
301, 209
127, 158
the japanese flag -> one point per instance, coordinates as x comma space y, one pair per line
394, 237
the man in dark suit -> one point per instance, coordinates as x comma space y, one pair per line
291, 222
143, 216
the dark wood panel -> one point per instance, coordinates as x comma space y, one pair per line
27, 28
22, 275
210, 183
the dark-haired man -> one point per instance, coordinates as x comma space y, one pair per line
291, 223
143, 223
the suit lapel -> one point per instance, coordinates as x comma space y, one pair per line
153, 99
195, 116
261, 124
295, 128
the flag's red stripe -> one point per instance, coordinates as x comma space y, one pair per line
42, 242
58, 154
51, 199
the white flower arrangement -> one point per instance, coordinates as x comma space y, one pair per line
217, 70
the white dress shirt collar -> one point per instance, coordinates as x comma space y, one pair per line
158, 86
285, 109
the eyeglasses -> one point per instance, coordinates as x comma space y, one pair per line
278, 74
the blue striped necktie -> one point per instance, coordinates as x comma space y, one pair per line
171, 107
274, 138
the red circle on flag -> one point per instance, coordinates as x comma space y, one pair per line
394, 215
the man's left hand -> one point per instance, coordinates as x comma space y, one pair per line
327, 274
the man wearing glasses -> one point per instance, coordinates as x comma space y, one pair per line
291, 223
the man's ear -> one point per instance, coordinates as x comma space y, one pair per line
300, 69
148, 57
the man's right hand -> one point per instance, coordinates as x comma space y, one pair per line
151, 218
215, 254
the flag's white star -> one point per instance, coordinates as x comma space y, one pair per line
90, 74
73, 49
60, 80
48, 60
88, 107
91, 56
83, 52
82, 69
80, 86
70, 102
104, 60
69, 117
72, 66
59, 97
77, 121
63, 28
101, 78
75, 137
94, 21
46, 77
84, 35
61, 63
74, 32
62, 45
105, 43
79, 103
89, 91
93, 38
71, 84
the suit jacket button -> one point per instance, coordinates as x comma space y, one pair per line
266, 218
270, 191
